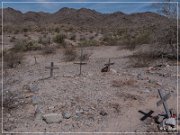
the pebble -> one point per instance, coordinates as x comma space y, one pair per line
32, 87
52, 118
66, 115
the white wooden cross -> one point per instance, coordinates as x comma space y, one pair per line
163, 100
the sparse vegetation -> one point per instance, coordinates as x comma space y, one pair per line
12, 39
49, 50
13, 59
70, 54
24, 45
57, 30
44, 40
73, 37
60, 39
140, 60
88, 43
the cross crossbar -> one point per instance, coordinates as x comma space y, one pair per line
52, 67
108, 64
81, 63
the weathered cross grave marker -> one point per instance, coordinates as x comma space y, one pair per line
52, 67
163, 100
146, 115
81, 62
107, 66
35, 60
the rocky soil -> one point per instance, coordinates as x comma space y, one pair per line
92, 102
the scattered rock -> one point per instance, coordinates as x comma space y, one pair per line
146, 91
66, 115
90, 74
38, 112
32, 87
52, 118
79, 112
103, 113
139, 77
113, 71
35, 100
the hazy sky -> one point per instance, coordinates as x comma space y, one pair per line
101, 7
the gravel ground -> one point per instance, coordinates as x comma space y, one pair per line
92, 102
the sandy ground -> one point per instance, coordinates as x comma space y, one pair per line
93, 101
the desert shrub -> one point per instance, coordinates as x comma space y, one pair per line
60, 39
25, 45
144, 57
12, 39
109, 39
88, 43
73, 37
131, 42
32, 46
44, 40
49, 49
16, 31
12, 59
92, 37
167, 39
20, 46
70, 54
70, 29
143, 38
57, 30
25, 30
140, 61
82, 38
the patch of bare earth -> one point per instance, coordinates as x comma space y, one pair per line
92, 102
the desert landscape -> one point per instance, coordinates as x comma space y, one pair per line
79, 70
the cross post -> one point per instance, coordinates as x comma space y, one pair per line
81, 61
163, 100
52, 68
109, 64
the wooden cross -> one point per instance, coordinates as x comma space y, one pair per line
146, 115
109, 64
163, 100
81, 62
52, 68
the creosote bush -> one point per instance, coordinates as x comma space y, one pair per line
25, 45
60, 39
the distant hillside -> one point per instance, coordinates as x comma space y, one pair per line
83, 17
